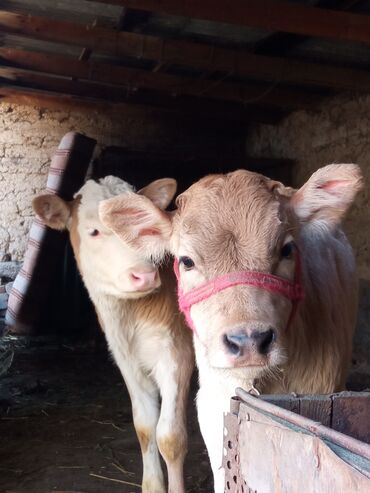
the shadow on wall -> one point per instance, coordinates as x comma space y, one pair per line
359, 377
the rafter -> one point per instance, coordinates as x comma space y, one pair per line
275, 15
205, 109
19, 63
281, 43
28, 96
205, 58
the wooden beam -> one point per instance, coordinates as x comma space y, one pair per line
130, 79
206, 58
275, 15
52, 100
204, 109
205, 155
210, 109
281, 43
32, 97
44, 82
131, 19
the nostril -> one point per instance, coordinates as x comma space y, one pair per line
264, 340
234, 343
144, 279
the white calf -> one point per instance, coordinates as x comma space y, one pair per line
137, 308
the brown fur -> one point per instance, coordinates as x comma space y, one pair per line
241, 222
171, 447
248, 217
143, 435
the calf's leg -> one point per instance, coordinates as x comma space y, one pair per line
210, 418
173, 382
145, 409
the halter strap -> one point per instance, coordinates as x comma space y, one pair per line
292, 290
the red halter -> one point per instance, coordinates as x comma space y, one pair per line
292, 290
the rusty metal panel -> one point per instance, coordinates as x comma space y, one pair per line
276, 458
230, 460
269, 448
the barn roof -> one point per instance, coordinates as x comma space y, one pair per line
244, 60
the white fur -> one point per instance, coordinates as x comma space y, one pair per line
141, 341
105, 260
216, 387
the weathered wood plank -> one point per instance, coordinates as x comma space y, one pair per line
351, 414
286, 401
163, 107
206, 58
22, 61
296, 420
269, 14
317, 408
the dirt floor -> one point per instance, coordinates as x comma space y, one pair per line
66, 425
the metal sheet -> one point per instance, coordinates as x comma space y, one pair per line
269, 448
275, 458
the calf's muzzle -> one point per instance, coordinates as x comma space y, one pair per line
143, 280
241, 342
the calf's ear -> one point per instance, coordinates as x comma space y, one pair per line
52, 210
327, 195
160, 192
138, 222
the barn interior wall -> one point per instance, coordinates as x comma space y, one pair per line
339, 132
29, 137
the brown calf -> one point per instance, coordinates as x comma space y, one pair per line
245, 226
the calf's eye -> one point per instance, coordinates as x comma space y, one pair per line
287, 250
186, 262
94, 232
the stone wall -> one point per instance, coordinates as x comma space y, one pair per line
28, 139
8, 272
339, 132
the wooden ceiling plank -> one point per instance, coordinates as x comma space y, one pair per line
206, 109
85, 54
282, 43
159, 67
275, 15
58, 100
21, 62
206, 58
33, 97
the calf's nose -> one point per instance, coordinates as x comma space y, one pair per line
144, 280
264, 340
237, 343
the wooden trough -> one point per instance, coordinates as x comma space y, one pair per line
289, 443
